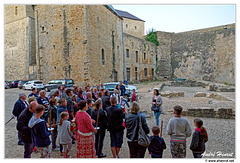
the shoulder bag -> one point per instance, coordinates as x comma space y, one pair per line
143, 138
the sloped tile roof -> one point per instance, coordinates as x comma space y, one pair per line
125, 14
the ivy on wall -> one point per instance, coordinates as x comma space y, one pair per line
152, 36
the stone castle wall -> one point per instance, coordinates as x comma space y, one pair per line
207, 54
61, 38
73, 47
20, 49
164, 68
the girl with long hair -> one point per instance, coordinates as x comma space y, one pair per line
65, 135
199, 138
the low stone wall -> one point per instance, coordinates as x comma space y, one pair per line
188, 83
220, 88
216, 96
208, 86
172, 94
225, 113
200, 94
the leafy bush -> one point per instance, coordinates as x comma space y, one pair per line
152, 36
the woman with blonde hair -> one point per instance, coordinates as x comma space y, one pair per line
132, 125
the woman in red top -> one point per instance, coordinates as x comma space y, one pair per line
134, 96
84, 134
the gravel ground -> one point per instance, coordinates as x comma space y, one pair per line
221, 131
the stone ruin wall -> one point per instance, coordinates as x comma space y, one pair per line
207, 54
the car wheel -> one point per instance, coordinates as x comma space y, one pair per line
47, 90
24, 88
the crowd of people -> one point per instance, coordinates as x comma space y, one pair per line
80, 116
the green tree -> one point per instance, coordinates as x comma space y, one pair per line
152, 36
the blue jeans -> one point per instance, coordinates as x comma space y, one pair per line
19, 137
197, 155
157, 115
28, 147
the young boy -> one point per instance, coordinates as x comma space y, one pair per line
157, 144
40, 133
179, 129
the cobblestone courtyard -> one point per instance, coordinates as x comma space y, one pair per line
221, 143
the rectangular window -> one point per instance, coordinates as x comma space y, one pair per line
145, 72
128, 74
127, 53
136, 56
136, 74
103, 57
152, 72
144, 56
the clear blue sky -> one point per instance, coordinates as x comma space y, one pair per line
179, 18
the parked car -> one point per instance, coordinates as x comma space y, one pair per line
54, 84
51, 92
7, 85
15, 83
129, 89
111, 86
33, 84
21, 82
54, 90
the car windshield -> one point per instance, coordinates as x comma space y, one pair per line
69, 81
37, 82
59, 82
110, 86
51, 82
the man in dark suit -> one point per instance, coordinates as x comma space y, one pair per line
19, 106
24, 130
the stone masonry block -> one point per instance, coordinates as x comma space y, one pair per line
200, 94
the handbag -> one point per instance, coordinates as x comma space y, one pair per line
155, 108
143, 138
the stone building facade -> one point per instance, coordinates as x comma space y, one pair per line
140, 59
132, 25
20, 49
91, 44
84, 42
